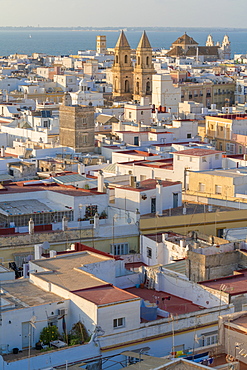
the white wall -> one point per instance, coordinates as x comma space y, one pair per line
164, 93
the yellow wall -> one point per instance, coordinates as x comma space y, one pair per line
205, 223
210, 181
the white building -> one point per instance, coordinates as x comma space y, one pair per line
149, 196
164, 93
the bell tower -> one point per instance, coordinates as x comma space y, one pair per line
122, 70
144, 69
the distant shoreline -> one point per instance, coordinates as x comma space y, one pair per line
127, 29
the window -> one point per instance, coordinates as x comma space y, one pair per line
209, 339
191, 159
149, 252
129, 114
218, 189
147, 61
221, 128
188, 136
178, 157
119, 323
119, 249
126, 59
204, 159
240, 149
141, 112
201, 187
217, 156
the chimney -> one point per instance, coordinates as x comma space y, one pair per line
53, 253
96, 221
100, 182
159, 196
30, 226
37, 251
132, 181
64, 223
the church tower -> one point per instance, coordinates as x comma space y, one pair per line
210, 41
122, 70
144, 69
226, 48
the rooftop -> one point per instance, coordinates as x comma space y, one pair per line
149, 184
22, 293
105, 295
65, 270
233, 284
166, 301
198, 152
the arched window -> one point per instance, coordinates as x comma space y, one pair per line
147, 61
138, 88
126, 59
116, 59
126, 86
148, 87
138, 60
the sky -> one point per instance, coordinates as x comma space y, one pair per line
124, 13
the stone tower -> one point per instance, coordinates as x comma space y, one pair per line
210, 41
226, 48
76, 127
144, 69
101, 44
122, 70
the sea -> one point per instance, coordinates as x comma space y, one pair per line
68, 41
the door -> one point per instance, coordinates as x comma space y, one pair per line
153, 205
136, 140
25, 334
175, 200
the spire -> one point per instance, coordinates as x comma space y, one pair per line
122, 41
144, 42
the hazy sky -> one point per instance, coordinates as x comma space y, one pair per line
120, 13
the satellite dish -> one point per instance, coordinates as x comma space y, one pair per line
46, 245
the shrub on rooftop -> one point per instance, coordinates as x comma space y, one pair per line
48, 334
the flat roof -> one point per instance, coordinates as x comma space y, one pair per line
33, 186
22, 293
105, 295
149, 184
233, 284
191, 209
166, 301
198, 152
65, 270
231, 172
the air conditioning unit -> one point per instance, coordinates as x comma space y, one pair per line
62, 311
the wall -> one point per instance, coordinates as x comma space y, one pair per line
54, 358
130, 311
201, 267
174, 283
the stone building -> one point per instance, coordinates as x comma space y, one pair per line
122, 70
76, 126
144, 69
128, 81
101, 44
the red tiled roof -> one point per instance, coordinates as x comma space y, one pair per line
198, 152
106, 294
